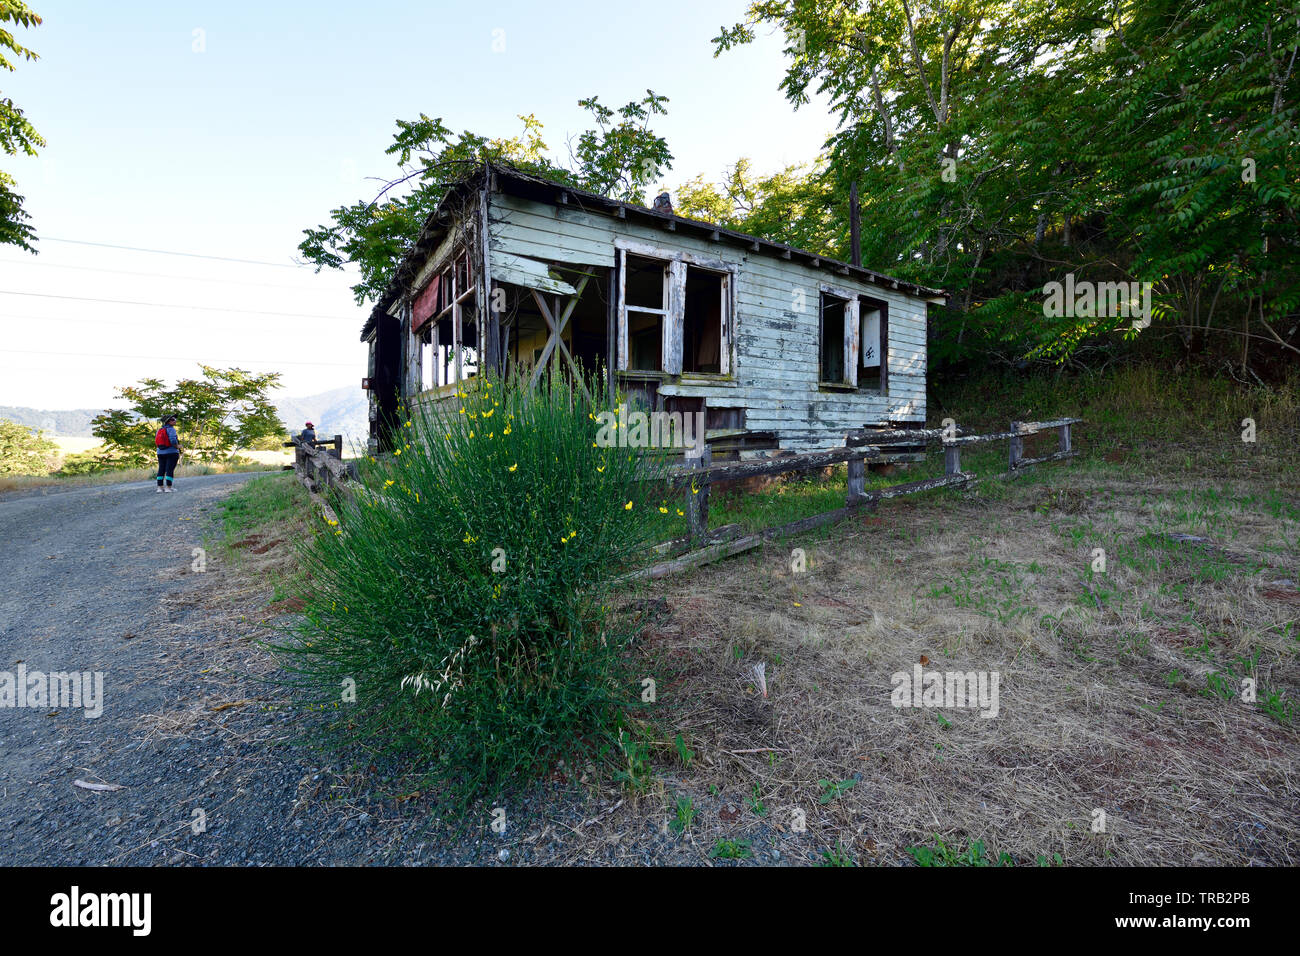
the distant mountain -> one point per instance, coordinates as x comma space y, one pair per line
73, 422
340, 411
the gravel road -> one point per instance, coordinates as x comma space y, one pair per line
207, 762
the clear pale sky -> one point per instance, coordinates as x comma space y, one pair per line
228, 143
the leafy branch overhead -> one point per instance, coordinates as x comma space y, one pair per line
618, 157
17, 134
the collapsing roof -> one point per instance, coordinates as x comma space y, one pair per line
508, 179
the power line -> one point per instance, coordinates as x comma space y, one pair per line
168, 305
181, 358
164, 275
57, 320
168, 252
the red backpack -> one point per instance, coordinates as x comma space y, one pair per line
161, 440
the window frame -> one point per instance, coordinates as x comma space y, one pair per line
865, 303
457, 264
849, 343
674, 315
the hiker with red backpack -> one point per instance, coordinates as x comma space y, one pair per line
169, 452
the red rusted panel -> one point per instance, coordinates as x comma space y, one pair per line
425, 306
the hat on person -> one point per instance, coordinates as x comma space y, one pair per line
310, 425
169, 420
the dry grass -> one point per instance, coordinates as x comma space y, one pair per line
34, 483
1107, 698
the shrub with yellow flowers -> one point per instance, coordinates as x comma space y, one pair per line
480, 570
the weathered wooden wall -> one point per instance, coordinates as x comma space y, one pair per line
775, 376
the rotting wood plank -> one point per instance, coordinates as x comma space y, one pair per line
730, 471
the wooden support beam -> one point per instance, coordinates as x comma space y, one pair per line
1016, 449
555, 342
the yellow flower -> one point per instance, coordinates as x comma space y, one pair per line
462, 410
388, 483
628, 506
681, 512
408, 425
514, 466
797, 604
397, 451
600, 468
507, 430
468, 539
663, 510
490, 434
417, 497
489, 413
471, 434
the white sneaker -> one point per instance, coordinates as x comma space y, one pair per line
159, 489
168, 489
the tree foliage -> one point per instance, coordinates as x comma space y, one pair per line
619, 156
1000, 144
16, 132
224, 410
24, 451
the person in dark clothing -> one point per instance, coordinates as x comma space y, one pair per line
169, 454
308, 433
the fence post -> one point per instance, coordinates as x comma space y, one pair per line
856, 489
1064, 434
951, 459
338, 447
1017, 447
697, 501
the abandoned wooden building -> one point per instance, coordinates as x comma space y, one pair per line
780, 348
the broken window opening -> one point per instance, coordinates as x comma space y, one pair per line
704, 322
833, 367
451, 338
645, 291
873, 372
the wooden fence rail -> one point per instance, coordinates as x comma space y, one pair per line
319, 465
697, 474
